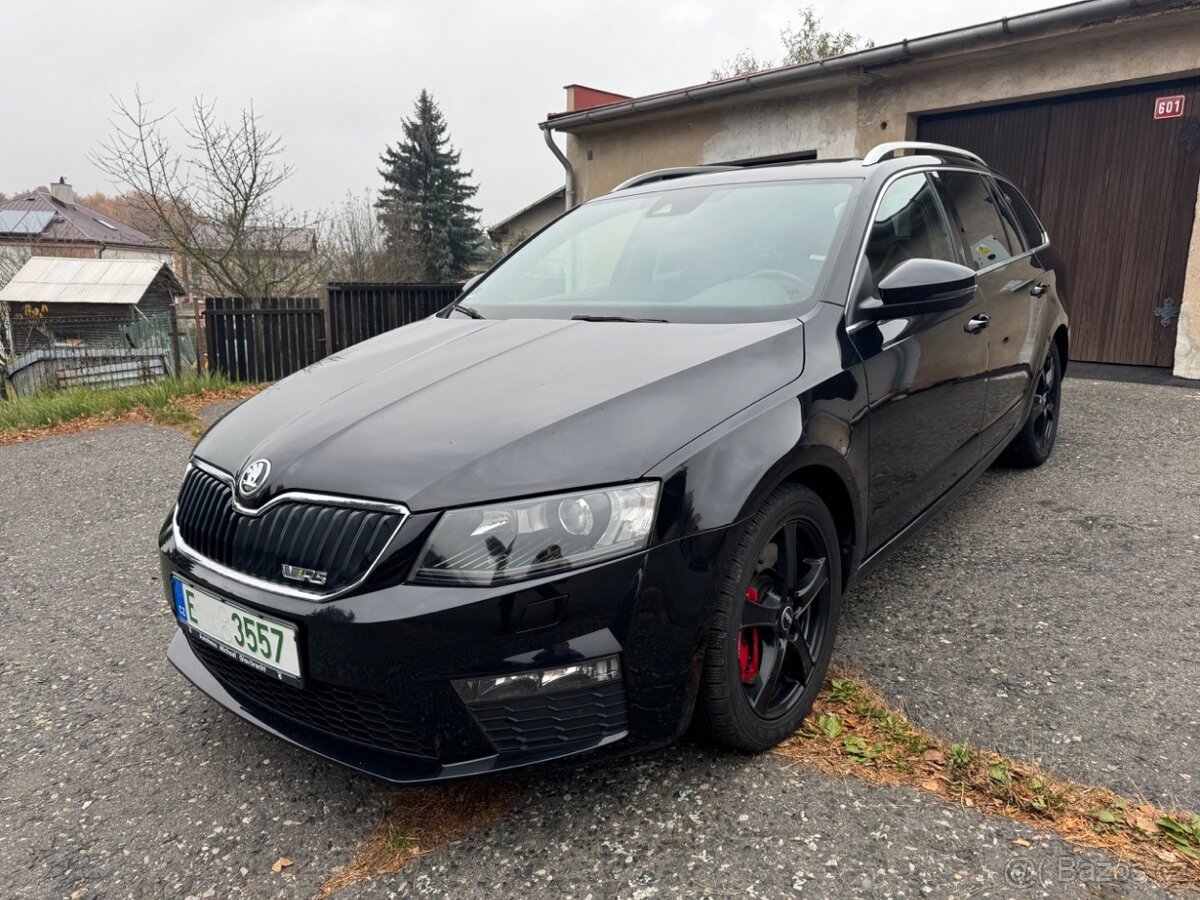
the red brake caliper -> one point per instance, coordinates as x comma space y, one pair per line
749, 647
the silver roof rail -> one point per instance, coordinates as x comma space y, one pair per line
884, 151
668, 174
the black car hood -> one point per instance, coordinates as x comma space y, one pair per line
446, 412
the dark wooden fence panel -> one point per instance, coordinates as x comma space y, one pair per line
361, 311
270, 338
263, 339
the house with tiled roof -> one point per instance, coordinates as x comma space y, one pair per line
51, 223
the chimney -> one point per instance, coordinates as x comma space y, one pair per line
62, 191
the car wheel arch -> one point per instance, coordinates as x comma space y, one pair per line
838, 499
826, 473
1062, 339
727, 480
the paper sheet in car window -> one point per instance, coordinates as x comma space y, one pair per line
988, 251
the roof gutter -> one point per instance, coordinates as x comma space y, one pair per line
1029, 25
566, 164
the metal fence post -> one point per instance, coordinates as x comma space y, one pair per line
327, 309
198, 330
175, 354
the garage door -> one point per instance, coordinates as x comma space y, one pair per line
1116, 188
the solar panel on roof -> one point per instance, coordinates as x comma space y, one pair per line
20, 221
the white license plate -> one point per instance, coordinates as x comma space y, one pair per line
263, 643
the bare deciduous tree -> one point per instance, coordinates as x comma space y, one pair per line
354, 246
126, 209
11, 260
215, 201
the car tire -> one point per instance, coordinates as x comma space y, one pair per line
1034, 443
758, 683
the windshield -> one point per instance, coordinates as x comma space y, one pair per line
712, 253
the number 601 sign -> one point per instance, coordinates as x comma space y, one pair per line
1168, 107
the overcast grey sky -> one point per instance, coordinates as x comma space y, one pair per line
334, 77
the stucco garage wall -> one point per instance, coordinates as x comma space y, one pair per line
823, 122
1187, 338
629, 149
1152, 49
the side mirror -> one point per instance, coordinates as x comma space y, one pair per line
918, 287
470, 282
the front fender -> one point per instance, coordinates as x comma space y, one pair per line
725, 475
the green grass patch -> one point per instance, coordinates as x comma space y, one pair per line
160, 400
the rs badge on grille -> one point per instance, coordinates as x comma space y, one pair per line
308, 576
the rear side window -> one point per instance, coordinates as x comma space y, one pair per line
1027, 220
908, 225
972, 209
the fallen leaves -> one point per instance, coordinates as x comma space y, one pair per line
421, 820
853, 731
280, 864
1144, 824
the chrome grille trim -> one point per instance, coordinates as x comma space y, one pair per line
308, 497
296, 496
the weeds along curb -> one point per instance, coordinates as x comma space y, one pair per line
100, 409
854, 732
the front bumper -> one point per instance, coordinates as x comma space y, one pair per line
379, 666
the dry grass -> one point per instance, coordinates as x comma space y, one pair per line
853, 732
50, 415
420, 821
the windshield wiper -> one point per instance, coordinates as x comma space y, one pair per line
467, 311
612, 319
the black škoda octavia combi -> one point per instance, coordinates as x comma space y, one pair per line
623, 483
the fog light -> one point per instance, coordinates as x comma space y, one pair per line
540, 681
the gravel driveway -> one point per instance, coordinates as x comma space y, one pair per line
1049, 614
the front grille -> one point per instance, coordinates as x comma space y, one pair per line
341, 541
553, 721
360, 716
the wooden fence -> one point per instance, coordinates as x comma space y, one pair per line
268, 339
263, 339
361, 311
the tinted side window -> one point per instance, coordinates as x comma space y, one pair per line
908, 225
1026, 218
973, 212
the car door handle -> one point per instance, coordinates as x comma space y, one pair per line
977, 324
1038, 289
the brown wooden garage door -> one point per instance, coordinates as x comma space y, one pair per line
1117, 192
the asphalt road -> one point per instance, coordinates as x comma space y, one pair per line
1050, 614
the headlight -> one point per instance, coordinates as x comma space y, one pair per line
505, 542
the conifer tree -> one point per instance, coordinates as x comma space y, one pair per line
425, 203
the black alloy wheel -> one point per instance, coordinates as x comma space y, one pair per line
1045, 406
774, 623
1035, 441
